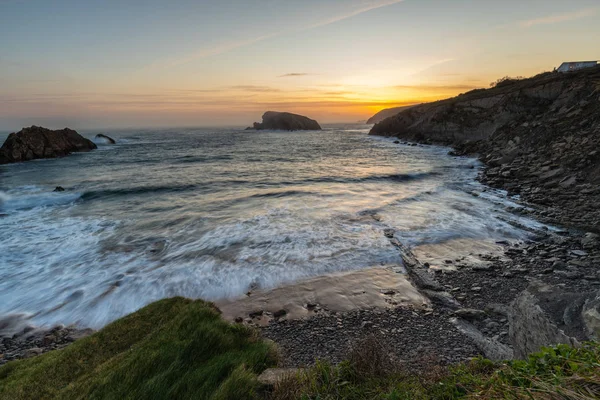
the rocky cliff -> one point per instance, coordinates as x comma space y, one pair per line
287, 122
539, 137
37, 142
386, 113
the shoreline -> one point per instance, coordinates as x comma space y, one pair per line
318, 328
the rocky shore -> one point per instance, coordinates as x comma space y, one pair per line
31, 342
471, 308
538, 137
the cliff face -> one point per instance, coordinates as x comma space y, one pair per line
287, 122
37, 142
386, 113
540, 137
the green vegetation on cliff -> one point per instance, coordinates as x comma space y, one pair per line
171, 349
562, 372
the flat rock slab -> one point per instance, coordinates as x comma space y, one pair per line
376, 287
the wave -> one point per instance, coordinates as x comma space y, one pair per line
98, 194
214, 186
28, 201
373, 178
285, 193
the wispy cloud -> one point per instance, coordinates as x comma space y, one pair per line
292, 74
212, 51
255, 89
556, 18
435, 87
221, 48
363, 8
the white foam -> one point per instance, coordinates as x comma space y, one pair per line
28, 197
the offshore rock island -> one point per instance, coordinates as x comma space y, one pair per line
285, 121
36, 142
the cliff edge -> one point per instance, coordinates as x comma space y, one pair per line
539, 138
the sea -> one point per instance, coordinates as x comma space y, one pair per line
214, 213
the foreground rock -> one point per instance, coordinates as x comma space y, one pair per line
37, 142
286, 121
539, 138
106, 139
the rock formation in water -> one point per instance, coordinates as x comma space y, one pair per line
540, 137
37, 142
386, 113
286, 121
105, 138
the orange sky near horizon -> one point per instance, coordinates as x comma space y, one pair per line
139, 64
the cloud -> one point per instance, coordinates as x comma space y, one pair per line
228, 46
292, 74
435, 87
556, 18
255, 89
370, 5
212, 51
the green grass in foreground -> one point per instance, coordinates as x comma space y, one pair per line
561, 372
171, 349
182, 349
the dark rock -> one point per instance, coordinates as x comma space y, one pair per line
491, 348
532, 328
37, 142
470, 314
287, 122
107, 139
59, 189
389, 233
279, 313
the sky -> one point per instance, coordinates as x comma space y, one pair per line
102, 64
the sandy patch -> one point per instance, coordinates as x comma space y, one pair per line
377, 287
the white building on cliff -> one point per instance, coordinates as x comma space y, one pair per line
575, 65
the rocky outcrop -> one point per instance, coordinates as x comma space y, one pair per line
546, 315
386, 113
37, 142
105, 139
539, 138
286, 121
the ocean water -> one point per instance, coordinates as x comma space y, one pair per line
210, 213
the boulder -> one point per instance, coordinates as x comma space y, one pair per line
37, 142
106, 139
286, 121
272, 376
470, 314
591, 317
544, 315
491, 348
